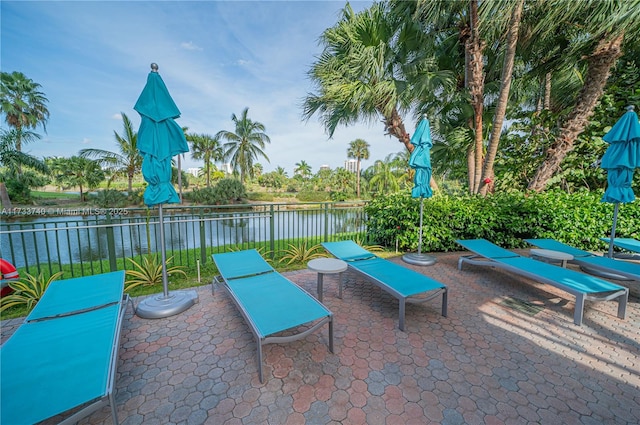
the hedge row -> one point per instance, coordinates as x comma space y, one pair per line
579, 219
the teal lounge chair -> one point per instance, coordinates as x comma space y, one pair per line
64, 355
580, 285
628, 244
269, 302
615, 269
401, 282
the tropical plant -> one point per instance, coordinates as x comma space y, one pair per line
149, 271
27, 291
384, 178
76, 172
12, 161
301, 254
127, 162
244, 145
207, 148
302, 169
358, 149
598, 30
23, 104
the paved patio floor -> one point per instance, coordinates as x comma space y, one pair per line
508, 353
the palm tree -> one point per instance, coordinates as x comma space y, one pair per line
22, 102
604, 27
371, 68
244, 145
207, 148
127, 162
302, 169
384, 178
358, 149
24, 105
13, 160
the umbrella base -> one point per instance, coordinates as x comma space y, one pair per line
159, 306
419, 259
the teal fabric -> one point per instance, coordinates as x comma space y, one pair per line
486, 248
629, 244
585, 257
420, 160
555, 245
52, 366
232, 265
159, 139
579, 281
621, 158
347, 251
275, 304
582, 282
71, 295
405, 281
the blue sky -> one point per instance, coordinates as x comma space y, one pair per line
216, 58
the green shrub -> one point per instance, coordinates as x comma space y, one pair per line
226, 191
313, 196
260, 196
579, 219
109, 198
27, 291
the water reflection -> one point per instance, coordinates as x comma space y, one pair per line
69, 240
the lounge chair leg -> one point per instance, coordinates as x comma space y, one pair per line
444, 302
622, 305
577, 314
401, 318
260, 361
114, 409
331, 334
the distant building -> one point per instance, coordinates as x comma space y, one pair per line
226, 168
194, 171
325, 167
351, 165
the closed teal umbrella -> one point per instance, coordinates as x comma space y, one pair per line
420, 161
620, 160
160, 138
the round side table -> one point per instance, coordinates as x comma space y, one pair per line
324, 266
551, 256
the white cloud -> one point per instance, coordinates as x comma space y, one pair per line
190, 46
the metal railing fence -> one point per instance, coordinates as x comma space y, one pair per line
87, 241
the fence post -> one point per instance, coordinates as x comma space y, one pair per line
111, 243
326, 222
203, 242
272, 230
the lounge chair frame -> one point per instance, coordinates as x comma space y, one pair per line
621, 294
260, 338
106, 304
387, 286
606, 267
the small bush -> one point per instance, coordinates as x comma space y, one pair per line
313, 196
226, 191
109, 198
260, 196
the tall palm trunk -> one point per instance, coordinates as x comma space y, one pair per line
503, 97
474, 47
4, 197
599, 66
358, 178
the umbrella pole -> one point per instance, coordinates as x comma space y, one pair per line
613, 229
420, 234
418, 258
163, 251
